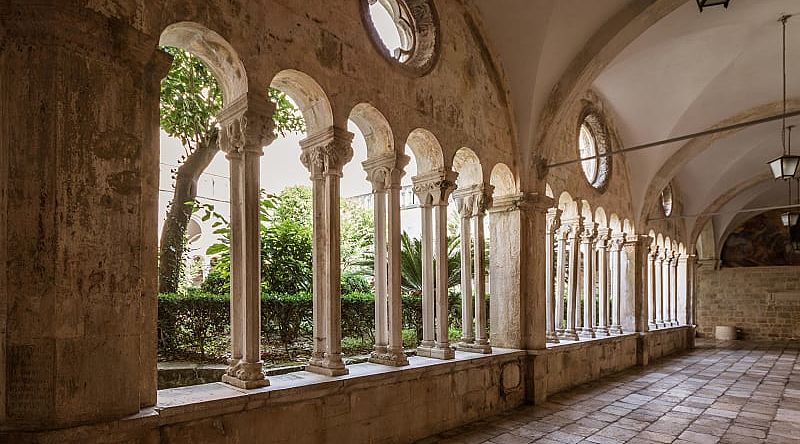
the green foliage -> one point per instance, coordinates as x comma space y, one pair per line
411, 264
190, 99
286, 257
193, 321
355, 283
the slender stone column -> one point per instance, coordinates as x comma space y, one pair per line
435, 188
465, 201
561, 259
651, 288
659, 287
246, 129
587, 251
385, 172
601, 244
576, 228
615, 251
428, 297
682, 281
674, 289
553, 215
325, 154
666, 283
483, 200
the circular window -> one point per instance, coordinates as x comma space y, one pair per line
666, 200
592, 144
404, 31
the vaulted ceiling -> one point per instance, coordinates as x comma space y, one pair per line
683, 73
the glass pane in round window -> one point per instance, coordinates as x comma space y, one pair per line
666, 200
393, 28
588, 151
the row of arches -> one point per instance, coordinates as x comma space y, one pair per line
247, 127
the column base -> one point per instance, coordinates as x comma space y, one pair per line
392, 358
551, 338
601, 331
472, 347
660, 324
245, 375
652, 326
587, 333
570, 335
615, 330
328, 371
436, 352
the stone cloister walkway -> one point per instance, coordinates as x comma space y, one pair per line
732, 393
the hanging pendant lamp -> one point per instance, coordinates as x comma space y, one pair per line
784, 167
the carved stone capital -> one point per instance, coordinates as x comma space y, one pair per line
589, 232
327, 152
385, 171
434, 188
246, 126
603, 235
553, 220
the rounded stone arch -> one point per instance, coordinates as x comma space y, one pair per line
681, 248
628, 228
586, 212
600, 217
426, 149
375, 128
614, 224
548, 191
652, 236
568, 206
668, 244
660, 241
468, 166
309, 97
220, 57
503, 181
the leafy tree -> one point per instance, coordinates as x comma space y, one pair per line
190, 100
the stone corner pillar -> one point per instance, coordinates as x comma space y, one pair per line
532, 291
324, 154
385, 172
633, 303
246, 127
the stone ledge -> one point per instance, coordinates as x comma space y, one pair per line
208, 400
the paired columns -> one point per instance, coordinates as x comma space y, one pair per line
615, 252
325, 154
587, 251
553, 291
384, 173
573, 237
433, 190
601, 244
472, 205
246, 127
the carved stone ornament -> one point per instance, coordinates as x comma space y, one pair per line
327, 152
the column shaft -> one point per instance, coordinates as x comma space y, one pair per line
467, 332
482, 338
561, 253
550, 287
659, 289
602, 283
616, 286
651, 291
443, 350
572, 292
587, 251
381, 307
428, 297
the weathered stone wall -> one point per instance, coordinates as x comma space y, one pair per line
764, 302
564, 366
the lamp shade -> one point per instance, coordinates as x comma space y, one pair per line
707, 3
790, 218
784, 167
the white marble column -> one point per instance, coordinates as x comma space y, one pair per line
601, 245
325, 154
385, 172
659, 287
674, 289
666, 283
651, 289
550, 282
561, 263
576, 228
434, 188
615, 253
483, 200
682, 281
587, 252
245, 129
465, 201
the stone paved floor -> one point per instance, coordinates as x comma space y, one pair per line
742, 393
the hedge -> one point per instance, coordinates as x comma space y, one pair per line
200, 322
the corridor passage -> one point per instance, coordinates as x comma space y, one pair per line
738, 393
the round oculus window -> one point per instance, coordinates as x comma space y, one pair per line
405, 31
592, 145
666, 200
